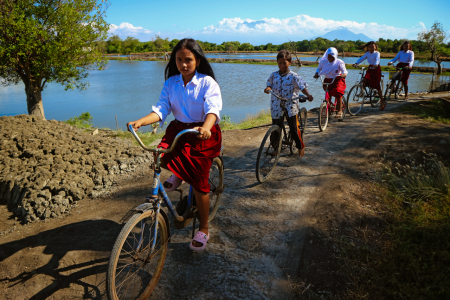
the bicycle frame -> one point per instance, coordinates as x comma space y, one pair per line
157, 188
328, 97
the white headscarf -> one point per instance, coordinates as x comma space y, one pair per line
329, 66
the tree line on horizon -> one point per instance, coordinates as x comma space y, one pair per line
115, 45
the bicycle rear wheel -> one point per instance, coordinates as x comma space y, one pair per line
323, 116
355, 100
268, 153
133, 268
216, 183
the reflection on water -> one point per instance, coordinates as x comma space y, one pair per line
128, 89
347, 60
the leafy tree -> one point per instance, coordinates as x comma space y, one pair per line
246, 47
130, 44
114, 44
435, 39
50, 41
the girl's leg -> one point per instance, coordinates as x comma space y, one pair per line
406, 91
202, 200
338, 104
383, 102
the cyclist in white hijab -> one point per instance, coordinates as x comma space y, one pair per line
332, 67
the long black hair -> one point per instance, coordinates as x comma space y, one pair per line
204, 67
406, 43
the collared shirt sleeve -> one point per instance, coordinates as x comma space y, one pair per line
301, 83
270, 81
163, 108
395, 58
319, 68
213, 99
411, 59
361, 59
342, 68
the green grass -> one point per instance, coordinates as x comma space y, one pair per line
262, 118
147, 138
436, 110
82, 121
415, 264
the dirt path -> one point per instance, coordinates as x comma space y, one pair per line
257, 236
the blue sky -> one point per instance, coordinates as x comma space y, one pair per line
260, 22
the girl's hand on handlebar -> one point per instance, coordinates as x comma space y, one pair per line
136, 125
310, 98
204, 133
389, 63
316, 75
354, 65
267, 89
343, 75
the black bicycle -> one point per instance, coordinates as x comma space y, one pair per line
270, 148
360, 93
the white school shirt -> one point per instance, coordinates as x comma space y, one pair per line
404, 57
372, 58
192, 103
287, 87
338, 70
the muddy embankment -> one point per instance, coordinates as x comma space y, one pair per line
47, 166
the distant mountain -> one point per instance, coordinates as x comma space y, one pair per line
346, 35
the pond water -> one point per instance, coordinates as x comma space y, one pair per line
128, 89
347, 60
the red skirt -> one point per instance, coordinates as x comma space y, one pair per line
336, 89
405, 73
373, 77
192, 158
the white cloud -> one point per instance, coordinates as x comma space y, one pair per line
126, 29
304, 27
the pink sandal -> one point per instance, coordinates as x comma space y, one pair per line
174, 181
200, 237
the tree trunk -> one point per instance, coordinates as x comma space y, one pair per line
34, 101
439, 67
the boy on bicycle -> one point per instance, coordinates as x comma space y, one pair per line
287, 85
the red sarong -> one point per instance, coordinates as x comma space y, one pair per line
373, 77
337, 89
405, 73
192, 158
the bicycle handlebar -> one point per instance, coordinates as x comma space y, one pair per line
301, 98
159, 150
321, 79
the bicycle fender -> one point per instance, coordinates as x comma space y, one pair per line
166, 218
144, 207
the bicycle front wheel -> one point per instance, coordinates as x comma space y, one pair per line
388, 92
268, 153
302, 120
398, 90
216, 183
323, 116
355, 100
134, 268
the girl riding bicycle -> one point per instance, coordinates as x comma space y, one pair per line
286, 84
406, 61
373, 75
333, 68
191, 93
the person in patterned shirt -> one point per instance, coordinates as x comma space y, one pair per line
286, 84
